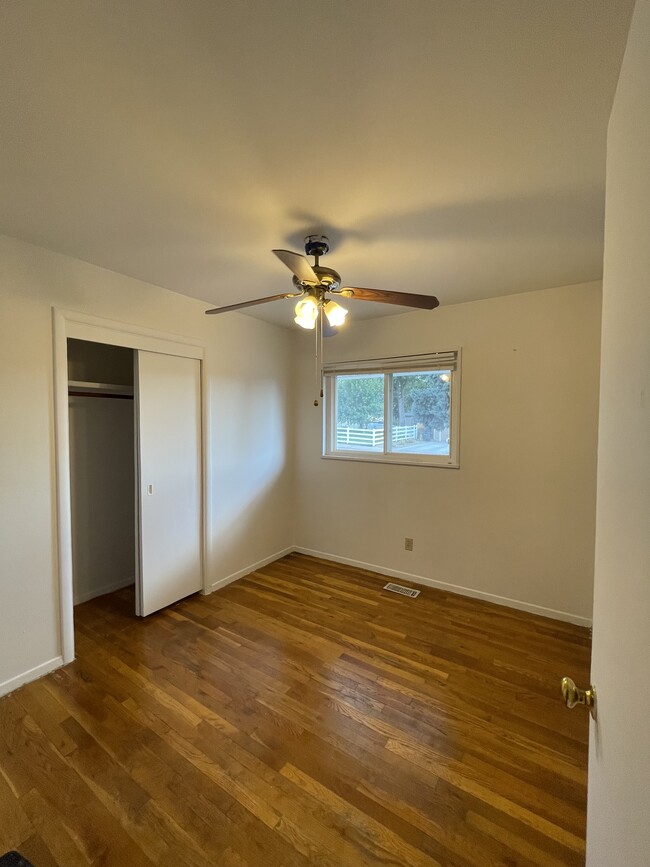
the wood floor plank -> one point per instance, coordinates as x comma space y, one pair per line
15, 825
37, 852
63, 846
301, 716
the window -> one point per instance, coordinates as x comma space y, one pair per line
397, 410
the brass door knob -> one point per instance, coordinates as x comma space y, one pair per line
572, 696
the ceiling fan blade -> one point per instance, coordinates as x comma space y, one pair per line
230, 307
298, 264
405, 299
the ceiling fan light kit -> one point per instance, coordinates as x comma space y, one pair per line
306, 311
335, 313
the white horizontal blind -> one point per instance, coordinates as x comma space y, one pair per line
427, 361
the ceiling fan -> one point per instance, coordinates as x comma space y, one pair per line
317, 286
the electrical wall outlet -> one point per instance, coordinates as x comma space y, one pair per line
408, 544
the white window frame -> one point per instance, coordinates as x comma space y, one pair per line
448, 360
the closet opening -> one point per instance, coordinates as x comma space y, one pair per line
103, 490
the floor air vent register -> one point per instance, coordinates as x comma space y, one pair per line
403, 591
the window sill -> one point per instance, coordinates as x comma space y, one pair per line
402, 460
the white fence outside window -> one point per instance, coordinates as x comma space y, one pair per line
372, 437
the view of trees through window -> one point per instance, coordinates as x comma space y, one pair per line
419, 406
360, 400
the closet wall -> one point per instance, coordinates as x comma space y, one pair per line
102, 471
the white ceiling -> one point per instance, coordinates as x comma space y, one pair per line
451, 148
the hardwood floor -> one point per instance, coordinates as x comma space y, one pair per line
301, 716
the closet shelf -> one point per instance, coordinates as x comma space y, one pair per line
79, 386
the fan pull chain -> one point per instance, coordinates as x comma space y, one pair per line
320, 366
316, 353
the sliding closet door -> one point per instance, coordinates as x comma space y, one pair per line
168, 447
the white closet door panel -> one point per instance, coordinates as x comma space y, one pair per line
168, 393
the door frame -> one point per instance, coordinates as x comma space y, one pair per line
82, 326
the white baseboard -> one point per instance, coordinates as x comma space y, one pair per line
46, 667
223, 582
103, 590
33, 674
452, 588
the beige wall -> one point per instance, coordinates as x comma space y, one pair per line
247, 365
517, 519
618, 830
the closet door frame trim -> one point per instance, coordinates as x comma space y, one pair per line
66, 324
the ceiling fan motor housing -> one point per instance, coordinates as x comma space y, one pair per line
329, 281
317, 245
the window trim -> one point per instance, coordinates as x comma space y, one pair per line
448, 360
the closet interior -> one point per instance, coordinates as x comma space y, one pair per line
102, 467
